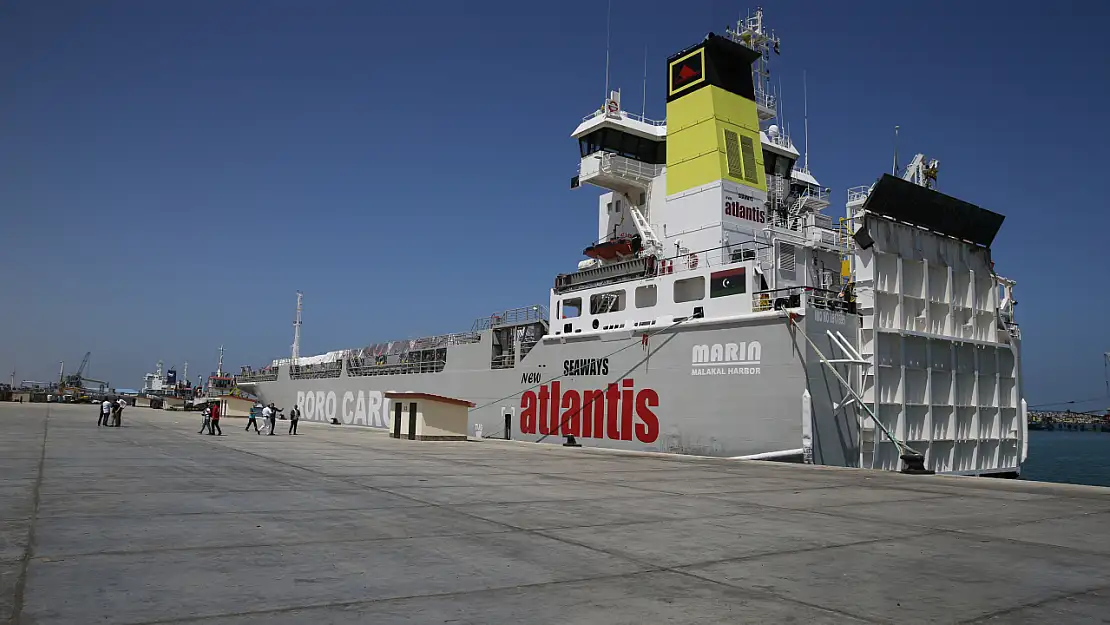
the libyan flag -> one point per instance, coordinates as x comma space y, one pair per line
728, 282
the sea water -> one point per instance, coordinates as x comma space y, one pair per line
1072, 457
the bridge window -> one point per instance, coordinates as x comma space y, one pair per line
646, 296
689, 290
624, 144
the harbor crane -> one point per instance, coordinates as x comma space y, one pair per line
77, 381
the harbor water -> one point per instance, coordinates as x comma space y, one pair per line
1068, 456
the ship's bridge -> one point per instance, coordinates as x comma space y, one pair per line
621, 151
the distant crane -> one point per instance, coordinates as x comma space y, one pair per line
84, 364
77, 381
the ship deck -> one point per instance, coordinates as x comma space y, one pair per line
152, 522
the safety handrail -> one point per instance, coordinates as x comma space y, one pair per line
632, 116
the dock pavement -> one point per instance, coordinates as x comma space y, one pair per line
154, 523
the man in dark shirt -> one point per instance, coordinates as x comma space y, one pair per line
294, 416
273, 418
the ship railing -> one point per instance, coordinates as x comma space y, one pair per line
414, 345
316, 371
764, 99
858, 194
786, 221
629, 168
362, 369
801, 297
511, 317
719, 256
257, 376
813, 197
781, 139
627, 115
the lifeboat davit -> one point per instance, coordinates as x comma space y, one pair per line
618, 247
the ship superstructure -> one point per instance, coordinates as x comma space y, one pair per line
166, 384
719, 310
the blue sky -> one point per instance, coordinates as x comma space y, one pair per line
406, 165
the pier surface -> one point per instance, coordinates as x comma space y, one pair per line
154, 523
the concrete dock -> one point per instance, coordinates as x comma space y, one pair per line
153, 523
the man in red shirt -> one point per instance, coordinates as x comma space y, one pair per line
215, 423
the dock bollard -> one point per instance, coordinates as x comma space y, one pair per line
915, 465
571, 442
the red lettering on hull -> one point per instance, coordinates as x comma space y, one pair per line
619, 413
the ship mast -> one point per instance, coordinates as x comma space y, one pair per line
297, 329
220, 364
752, 33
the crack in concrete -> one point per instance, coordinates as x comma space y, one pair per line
29, 550
1033, 604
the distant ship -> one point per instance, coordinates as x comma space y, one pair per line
721, 312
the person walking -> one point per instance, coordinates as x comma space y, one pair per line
252, 419
215, 423
269, 413
105, 412
207, 423
294, 416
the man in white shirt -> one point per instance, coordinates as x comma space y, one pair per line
268, 412
120, 403
105, 412
207, 423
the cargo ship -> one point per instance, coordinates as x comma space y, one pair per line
721, 311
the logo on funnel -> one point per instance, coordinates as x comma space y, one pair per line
686, 71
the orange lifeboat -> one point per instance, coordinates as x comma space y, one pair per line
618, 247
